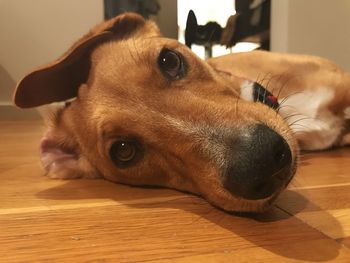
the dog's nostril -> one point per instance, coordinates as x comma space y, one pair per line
279, 156
282, 155
260, 164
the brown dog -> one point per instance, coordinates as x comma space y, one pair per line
149, 112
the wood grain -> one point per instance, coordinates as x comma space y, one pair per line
43, 220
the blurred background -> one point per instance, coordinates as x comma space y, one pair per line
35, 32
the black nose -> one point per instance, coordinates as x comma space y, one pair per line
260, 163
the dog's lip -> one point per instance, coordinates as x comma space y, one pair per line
291, 170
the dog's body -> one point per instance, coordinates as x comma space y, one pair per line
149, 112
314, 93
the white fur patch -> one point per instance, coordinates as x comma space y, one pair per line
247, 90
307, 113
347, 113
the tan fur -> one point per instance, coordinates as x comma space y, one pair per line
286, 74
178, 122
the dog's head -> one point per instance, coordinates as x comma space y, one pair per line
147, 111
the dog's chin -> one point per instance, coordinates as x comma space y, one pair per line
250, 206
263, 204
233, 204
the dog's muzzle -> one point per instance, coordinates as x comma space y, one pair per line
260, 164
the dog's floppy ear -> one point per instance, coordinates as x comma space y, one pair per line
60, 80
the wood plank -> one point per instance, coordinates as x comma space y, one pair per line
252, 255
323, 168
335, 225
345, 241
40, 193
323, 200
184, 227
19, 143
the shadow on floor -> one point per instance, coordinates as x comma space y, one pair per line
277, 230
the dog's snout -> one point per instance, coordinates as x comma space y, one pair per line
259, 165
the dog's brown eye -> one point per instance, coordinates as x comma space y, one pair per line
171, 64
125, 152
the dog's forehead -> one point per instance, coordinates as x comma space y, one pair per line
138, 55
130, 66
135, 50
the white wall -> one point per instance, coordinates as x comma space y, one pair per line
319, 27
34, 32
167, 18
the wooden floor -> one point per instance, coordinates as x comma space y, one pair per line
43, 220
